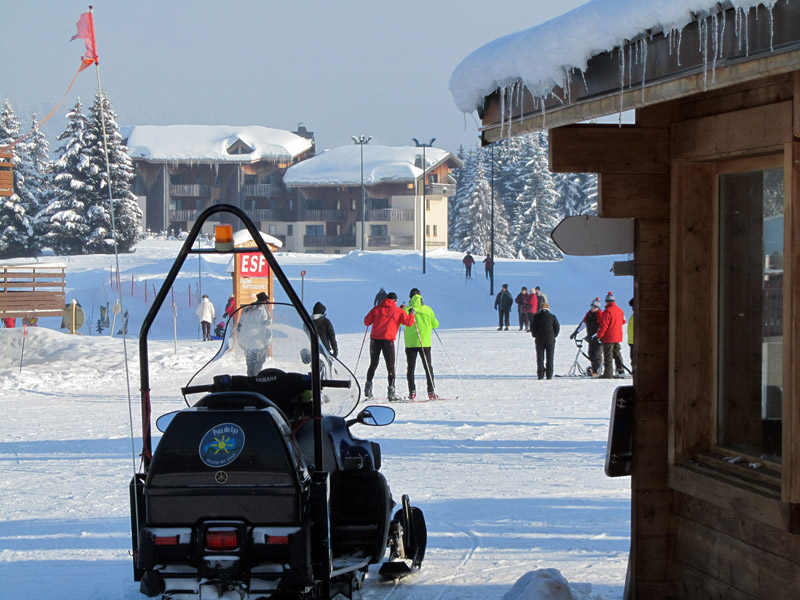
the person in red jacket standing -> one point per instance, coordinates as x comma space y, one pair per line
385, 319
609, 332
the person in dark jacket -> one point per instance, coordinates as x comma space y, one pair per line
380, 297
488, 264
468, 261
385, 319
590, 322
522, 301
502, 304
544, 329
324, 329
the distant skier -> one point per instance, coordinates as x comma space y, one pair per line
385, 319
488, 265
630, 335
595, 348
502, 304
230, 307
468, 262
544, 329
206, 313
418, 342
379, 297
609, 332
253, 333
324, 329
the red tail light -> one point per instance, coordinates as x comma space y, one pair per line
281, 540
222, 539
171, 540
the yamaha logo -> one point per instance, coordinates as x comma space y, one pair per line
221, 477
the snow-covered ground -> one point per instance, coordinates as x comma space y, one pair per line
508, 470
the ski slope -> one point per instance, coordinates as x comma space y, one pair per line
508, 469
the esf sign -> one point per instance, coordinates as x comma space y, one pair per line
253, 264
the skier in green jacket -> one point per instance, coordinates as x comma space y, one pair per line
418, 342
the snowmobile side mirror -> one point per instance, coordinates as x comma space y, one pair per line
163, 421
377, 416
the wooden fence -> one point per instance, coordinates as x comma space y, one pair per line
32, 290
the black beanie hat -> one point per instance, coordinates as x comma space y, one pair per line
391, 296
319, 309
413, 292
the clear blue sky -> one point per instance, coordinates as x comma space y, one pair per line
343, 67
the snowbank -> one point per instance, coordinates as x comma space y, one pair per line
540, 57
549, 584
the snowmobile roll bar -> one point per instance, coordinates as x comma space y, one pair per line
185, 251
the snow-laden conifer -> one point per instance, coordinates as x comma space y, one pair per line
17, 238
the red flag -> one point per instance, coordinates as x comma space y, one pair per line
86, 33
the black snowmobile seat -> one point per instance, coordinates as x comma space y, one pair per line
258, 476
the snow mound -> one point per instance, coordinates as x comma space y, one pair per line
549, 584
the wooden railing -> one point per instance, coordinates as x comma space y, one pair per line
261, 190
390, 214
194, 190
32, 290
325, 215
327, 241
186, 214
391, 241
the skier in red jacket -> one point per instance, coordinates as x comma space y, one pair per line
385, 319
609, 332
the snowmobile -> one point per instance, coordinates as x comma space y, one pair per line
258, 489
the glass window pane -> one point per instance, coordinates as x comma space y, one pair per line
750, 376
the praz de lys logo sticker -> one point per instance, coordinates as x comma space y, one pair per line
221, 445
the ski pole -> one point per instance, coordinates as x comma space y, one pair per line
426, 366
451, 363
22, 353
361, 349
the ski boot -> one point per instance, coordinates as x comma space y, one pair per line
390, 395
412, 394
368, 390
432, 396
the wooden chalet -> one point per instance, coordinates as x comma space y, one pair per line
710, 174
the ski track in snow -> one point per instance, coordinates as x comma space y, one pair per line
509, 475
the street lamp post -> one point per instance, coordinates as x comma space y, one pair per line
361, 140
424, 181
491, 243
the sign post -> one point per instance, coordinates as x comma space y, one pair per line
302, 285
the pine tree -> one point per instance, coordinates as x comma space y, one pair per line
65, 216
17, 237
127, 214
36, 168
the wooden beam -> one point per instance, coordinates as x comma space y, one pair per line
791, 311
796, 104
633, 195
764, 128
609, 149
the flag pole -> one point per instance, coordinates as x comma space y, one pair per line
91, 46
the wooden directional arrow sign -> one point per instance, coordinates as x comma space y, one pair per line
588, 235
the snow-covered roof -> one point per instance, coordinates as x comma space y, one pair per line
210, 143
243, 236
342, 165
542, 56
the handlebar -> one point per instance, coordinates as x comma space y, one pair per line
244, 383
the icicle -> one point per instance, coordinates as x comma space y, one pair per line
502, 109
568, 85
621, 80
644, 65
585, 85
722, 36
703, 38
746, 16
715, 45
630, 65
678, 50
510, 110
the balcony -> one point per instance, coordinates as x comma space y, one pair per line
440, 189
391, 241
195, 190
328, 241
187, 214
261, 190
327, 216
390, 214
263, 214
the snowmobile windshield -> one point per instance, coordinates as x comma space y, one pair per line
270, 337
